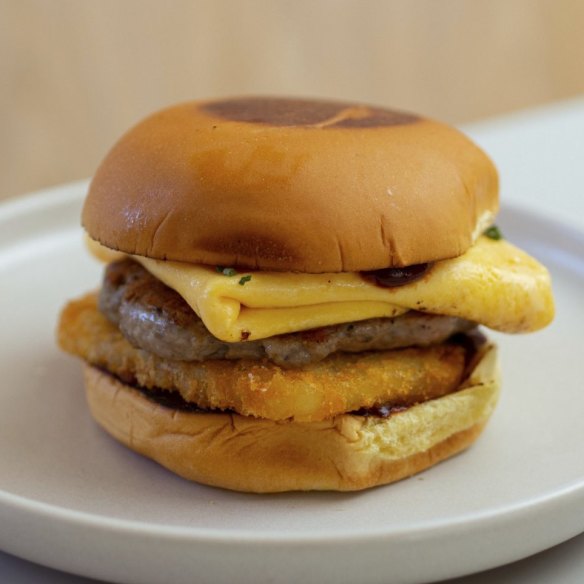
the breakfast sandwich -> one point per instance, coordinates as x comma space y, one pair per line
296, 292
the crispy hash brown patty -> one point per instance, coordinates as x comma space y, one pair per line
335, 385
154, 317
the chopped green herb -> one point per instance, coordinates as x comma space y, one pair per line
244, 279
493, 232
225, 271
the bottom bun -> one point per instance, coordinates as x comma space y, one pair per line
348, 452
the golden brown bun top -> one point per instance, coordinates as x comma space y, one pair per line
291, 184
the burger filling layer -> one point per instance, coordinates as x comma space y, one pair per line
302, 347
154, 317
493, 283
340, 383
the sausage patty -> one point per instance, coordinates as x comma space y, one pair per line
154, 317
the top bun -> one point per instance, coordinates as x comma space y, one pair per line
291, 185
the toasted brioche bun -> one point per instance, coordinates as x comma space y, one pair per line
290, 184
347, 452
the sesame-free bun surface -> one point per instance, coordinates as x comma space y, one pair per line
345, 453
291, 184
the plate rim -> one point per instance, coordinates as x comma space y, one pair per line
575, 489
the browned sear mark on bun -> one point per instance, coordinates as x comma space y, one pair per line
306, 112
249, 245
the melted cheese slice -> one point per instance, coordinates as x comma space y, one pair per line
493, 283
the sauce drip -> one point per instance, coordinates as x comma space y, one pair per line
393, 277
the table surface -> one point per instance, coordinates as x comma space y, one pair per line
539, 154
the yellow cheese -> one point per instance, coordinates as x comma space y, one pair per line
100, 252
493, 283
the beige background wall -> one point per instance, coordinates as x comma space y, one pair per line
76, 73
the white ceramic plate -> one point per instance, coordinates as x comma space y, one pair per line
73, 499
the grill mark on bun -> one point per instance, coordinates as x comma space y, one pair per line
249, 245
304, 112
